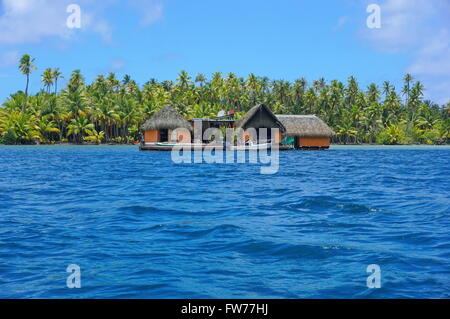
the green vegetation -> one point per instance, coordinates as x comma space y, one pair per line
111, 111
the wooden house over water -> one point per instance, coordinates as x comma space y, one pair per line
260, 117
308, 131
159, 128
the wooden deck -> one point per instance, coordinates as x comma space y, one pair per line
196, 147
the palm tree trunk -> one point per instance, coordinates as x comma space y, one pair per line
26, 88
24, 106
105, 130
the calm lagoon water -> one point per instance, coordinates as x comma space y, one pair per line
141, 226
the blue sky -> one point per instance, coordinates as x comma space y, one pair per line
280, 39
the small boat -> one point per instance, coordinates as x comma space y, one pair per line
168, 146
250, 146
154, 147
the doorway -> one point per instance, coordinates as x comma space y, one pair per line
164, 135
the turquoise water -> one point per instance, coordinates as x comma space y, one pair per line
141, 226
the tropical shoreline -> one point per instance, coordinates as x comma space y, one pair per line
136, 145
109, 110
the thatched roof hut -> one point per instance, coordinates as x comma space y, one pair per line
259, 116
166, 118
305, 126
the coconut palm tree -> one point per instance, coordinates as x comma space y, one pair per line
387, 87
46, 128
47, 79
254, 88
56, 76
346, 131
126, 80
407, 87
184, 80
95, 137
78, 127
15, 101
76, 102
26, 66
76, 81
200, 78
373, 93
21, 127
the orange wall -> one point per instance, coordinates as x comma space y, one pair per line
314, 141
277, 139
183, 136
151, 136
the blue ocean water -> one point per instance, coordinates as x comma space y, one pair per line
140, 226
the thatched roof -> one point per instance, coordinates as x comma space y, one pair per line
305, 126
166, 118
243, 121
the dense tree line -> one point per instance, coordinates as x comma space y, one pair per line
110, 110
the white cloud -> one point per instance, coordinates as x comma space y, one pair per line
9, 58
151, 10
31, 21
434, 59
421, 29
404, 24
90, 22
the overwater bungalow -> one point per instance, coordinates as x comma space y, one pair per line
306, 131
260, 117
160, 127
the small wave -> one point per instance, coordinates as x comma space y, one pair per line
325, 203
285, 250
220, 230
